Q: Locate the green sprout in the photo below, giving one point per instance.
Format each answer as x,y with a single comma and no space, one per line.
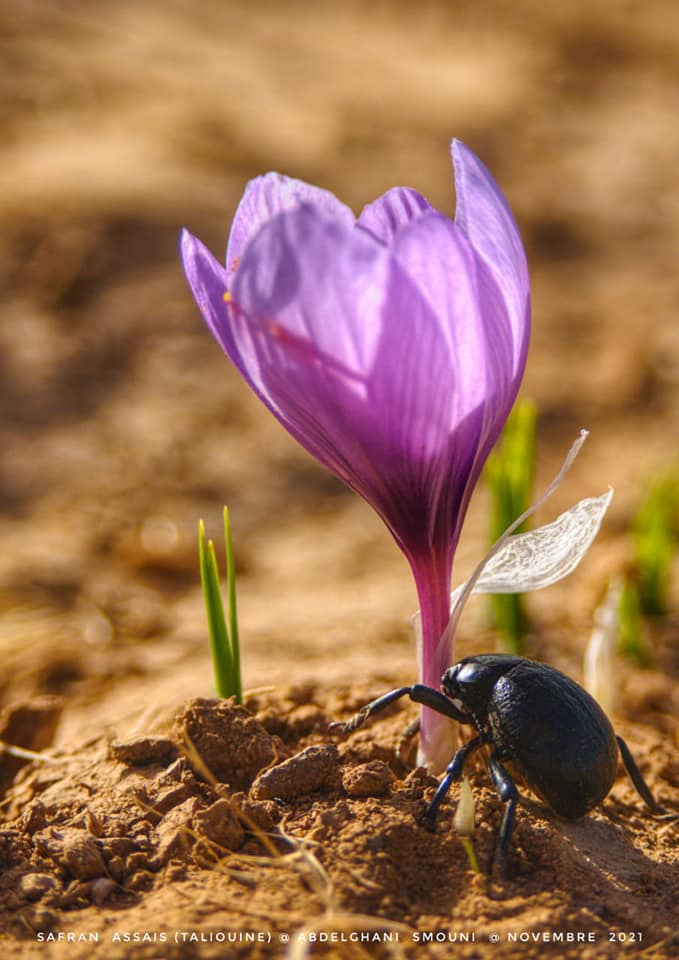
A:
655,542
223,631
509,473
630,624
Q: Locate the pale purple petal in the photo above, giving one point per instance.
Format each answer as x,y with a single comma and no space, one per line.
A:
209,282
269,195
393,210
439,259
475,323
325,325
484,217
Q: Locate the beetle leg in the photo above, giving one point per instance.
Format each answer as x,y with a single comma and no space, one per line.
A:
453,773
636,777
427,696
509,795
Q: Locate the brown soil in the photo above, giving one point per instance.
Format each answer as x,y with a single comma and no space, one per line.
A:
151,811
250,820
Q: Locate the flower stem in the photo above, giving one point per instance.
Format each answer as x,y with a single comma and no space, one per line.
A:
437,733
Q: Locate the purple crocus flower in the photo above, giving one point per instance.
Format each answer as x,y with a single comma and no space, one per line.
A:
390,346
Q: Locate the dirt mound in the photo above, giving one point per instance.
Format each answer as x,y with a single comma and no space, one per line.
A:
250,825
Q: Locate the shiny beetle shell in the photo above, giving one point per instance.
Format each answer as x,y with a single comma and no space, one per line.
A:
544,726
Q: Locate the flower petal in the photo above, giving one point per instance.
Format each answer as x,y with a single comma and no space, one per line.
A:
476,326
439,259
323,320
484,217
209,282
385,216
269,195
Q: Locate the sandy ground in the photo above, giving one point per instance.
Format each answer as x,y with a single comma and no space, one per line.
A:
122,424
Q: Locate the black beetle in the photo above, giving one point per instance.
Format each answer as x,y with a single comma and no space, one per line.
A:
539,724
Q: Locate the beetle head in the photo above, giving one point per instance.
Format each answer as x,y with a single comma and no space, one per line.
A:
469,683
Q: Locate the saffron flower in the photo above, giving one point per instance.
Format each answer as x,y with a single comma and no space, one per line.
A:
390,346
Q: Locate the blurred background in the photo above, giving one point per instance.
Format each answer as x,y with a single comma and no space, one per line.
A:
121,421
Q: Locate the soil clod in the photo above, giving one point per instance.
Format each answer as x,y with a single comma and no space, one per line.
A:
305,773
231,744
143,751
371,779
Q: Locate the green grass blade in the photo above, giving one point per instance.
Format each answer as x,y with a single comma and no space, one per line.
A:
655,541
222,658
510,618
509,473
232,606
631,636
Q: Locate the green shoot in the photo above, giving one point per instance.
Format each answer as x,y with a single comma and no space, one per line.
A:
631,635
471,854
509,473
655,541
223,631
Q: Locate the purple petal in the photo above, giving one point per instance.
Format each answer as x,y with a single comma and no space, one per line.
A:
439,259
393,210
209,282
484,217
324,320
479,346
269,195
